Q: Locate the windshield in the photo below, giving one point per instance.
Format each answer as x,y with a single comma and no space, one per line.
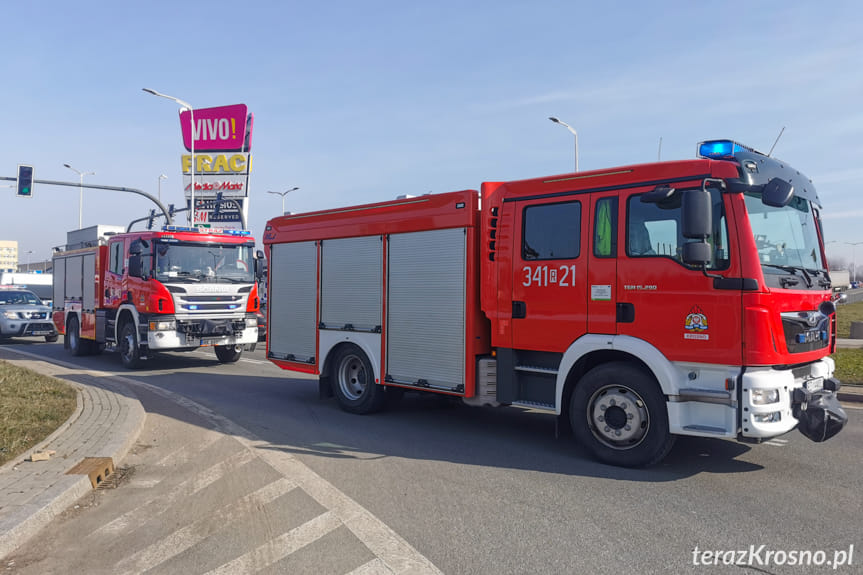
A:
184,262
19,298
785,237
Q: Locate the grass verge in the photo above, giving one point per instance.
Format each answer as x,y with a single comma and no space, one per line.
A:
845,314
849,362
32,406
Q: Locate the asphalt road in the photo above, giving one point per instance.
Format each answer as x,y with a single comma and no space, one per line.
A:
492,491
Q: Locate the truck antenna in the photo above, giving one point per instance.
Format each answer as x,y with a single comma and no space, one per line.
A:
659,153
776,142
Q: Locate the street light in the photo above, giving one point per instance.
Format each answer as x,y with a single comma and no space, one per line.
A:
283,194
187,106
161,177
572,130
28,260
80,191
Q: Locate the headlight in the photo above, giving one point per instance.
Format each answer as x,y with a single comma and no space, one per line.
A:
771,417
251,322
164,325
10,314
764,396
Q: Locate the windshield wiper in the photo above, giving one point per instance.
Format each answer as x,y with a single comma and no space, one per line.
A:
793,271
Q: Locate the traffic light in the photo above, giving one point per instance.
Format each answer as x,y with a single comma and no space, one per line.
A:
150,219
25,181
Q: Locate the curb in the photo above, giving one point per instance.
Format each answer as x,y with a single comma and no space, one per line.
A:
25,520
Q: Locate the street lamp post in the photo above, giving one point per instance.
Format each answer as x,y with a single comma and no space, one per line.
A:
161,177
572,131
80,192
283,194
28,260
192,150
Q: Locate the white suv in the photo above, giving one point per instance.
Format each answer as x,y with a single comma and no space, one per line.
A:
22,313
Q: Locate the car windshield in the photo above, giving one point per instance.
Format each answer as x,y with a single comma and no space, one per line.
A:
785,237
19,298
185,262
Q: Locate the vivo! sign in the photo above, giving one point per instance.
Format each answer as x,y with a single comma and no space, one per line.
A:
224,128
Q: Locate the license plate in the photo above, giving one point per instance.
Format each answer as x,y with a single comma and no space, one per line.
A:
40,332
816,384
210,342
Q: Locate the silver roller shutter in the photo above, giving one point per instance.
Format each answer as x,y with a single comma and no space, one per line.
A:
351,283
426,308
89,287
292,300
74,277
59,282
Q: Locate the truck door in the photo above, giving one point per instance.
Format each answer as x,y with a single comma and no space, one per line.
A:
550,279
673,306
602,264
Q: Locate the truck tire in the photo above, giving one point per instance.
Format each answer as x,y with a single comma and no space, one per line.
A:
353,381
130,352
618,412
72,340
229,353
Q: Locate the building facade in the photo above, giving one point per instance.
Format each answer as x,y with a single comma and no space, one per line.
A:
8,256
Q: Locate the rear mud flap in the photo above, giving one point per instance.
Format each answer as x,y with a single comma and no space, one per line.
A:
820,416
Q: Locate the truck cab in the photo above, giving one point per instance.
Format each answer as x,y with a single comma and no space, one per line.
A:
676,298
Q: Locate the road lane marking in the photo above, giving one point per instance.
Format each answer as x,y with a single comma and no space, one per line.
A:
373,567
161,503
190,535
280,547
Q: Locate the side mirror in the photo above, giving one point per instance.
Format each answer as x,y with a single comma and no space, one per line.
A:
259,267
697,214
777,193
136,266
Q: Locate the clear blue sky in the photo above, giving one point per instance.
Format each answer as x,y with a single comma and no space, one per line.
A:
357,102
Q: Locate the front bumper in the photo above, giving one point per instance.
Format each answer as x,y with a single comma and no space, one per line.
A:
805,397
20,328
187,334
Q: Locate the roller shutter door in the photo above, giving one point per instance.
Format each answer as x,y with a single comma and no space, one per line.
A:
426,308
351,283
292,301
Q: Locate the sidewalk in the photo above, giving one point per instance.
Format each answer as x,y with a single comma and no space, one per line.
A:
106,423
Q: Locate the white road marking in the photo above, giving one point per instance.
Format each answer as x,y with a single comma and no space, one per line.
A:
182,491
373,567
280,547
193,533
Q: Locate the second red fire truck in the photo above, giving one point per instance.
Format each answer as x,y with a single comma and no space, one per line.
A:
177,289
637,303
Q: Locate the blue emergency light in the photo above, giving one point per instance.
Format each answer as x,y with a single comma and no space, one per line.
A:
720,149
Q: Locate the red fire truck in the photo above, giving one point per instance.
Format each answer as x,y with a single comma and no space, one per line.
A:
637,303
142,292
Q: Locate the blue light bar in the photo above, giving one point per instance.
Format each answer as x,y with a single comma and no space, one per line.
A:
720,149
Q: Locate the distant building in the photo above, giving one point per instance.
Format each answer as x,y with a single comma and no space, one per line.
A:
8,256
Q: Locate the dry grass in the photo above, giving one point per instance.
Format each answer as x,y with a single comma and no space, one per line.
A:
32,406
845,314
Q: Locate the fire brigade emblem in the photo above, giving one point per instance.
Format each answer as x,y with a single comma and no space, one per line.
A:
696,324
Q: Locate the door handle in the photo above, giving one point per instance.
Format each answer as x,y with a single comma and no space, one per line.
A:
519,310
625,313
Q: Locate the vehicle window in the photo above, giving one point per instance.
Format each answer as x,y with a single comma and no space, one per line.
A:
116,257
655,230
551,231
605,228
19,298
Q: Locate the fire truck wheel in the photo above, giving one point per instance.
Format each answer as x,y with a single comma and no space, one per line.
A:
354,381
229,353
618,412
130,353
72,339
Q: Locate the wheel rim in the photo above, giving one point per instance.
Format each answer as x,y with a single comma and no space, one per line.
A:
127,344
618,417
352,377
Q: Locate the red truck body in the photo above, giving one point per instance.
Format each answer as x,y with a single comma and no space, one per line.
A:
638,303
142,292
